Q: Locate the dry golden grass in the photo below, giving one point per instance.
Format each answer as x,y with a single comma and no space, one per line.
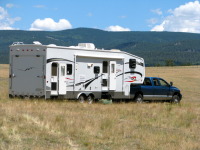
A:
41,124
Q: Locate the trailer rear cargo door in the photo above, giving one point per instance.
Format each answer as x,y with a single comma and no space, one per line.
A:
27,75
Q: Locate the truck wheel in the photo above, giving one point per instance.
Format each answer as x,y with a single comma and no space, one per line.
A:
139,98
81,98
175,99
90,99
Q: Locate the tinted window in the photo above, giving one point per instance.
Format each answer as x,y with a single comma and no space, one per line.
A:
105,82
96,69
147,81
132,63
156,82
53,86
54,69
105,67
69,69
163,83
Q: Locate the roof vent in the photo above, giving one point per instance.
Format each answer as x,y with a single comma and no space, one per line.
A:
37,43
52,45
115,50
87,45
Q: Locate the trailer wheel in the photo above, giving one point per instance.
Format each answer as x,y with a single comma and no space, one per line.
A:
90,99
139,98
175,99
81,98
11,96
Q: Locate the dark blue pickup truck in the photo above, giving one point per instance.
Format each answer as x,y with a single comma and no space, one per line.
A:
155,88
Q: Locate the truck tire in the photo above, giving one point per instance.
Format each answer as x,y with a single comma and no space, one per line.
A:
139,98
175,99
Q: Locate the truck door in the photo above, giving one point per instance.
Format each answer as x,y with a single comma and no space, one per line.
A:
165,89
161,89
112,75
62,87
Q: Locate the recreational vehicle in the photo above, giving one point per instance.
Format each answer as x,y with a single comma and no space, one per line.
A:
80,72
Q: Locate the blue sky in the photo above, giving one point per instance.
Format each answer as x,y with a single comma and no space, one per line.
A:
111,15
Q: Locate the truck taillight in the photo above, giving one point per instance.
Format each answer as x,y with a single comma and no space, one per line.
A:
44,77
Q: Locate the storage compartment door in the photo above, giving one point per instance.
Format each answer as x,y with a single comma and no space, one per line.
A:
112,76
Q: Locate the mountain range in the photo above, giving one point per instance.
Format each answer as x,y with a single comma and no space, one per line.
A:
157,48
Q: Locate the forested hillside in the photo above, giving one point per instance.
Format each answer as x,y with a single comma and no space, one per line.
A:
157,48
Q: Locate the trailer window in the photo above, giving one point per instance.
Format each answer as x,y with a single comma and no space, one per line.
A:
112,68
54,69
69,69
132,63
105,67
104,82
53,86
62,70
96,69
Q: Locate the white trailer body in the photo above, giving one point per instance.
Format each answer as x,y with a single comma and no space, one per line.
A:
70,72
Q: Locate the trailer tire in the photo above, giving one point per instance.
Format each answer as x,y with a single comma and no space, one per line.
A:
11,96
139,98
81,98
90,99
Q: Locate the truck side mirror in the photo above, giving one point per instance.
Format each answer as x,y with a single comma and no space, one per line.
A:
132,63
171,83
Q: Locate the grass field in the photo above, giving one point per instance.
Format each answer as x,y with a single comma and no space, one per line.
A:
40,124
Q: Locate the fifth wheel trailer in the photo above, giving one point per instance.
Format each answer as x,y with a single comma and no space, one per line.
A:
77,72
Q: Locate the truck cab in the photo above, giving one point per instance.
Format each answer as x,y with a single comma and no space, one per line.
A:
154,88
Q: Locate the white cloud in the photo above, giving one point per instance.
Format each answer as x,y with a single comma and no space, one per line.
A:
157,11
9,5
3,13
39,6
6,21
152,21
90,14
185,18
49,24
117,28
123,17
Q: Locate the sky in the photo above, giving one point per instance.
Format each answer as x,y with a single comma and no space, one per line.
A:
109,15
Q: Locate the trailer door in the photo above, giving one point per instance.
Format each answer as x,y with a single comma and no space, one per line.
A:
112,75
105,76
62,79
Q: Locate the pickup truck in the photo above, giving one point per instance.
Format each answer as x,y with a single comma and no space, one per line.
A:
154,88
